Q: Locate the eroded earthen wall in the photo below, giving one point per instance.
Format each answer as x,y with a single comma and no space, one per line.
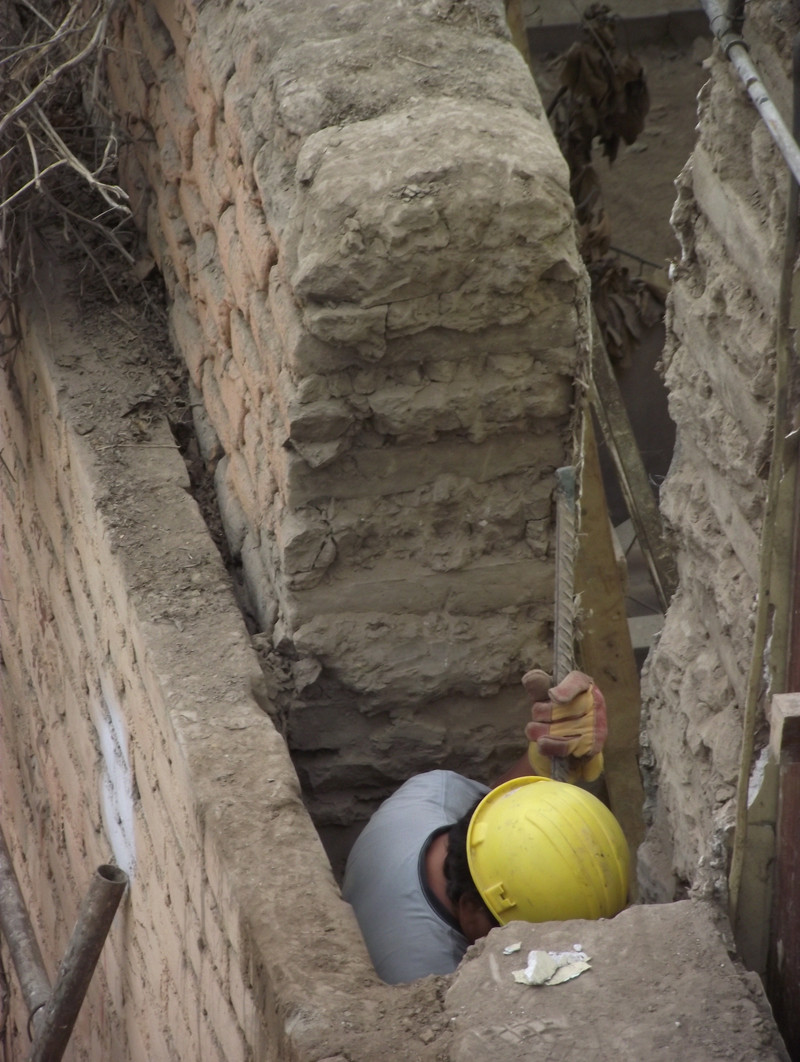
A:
366,234
719,364
133,731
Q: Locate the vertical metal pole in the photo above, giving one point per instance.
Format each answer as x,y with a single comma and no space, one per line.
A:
564,613
77,966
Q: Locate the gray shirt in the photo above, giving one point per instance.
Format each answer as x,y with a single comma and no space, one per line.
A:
408,933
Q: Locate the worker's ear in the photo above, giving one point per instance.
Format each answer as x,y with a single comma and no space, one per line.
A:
474,919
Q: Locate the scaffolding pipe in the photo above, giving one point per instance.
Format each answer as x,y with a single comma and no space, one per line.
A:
18,932
94,921
726,31
735,14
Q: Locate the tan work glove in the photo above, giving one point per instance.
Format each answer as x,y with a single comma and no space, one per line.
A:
568,722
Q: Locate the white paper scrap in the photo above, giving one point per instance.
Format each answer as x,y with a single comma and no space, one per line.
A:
566,973
512,948
552,967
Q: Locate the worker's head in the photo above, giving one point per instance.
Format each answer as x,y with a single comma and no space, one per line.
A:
472,914
540,850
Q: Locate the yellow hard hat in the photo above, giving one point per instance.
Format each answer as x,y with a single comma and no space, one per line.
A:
541,851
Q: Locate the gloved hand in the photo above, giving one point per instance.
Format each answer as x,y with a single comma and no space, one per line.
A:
568,722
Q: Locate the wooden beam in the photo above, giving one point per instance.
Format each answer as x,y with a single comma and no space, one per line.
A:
604,645
617,432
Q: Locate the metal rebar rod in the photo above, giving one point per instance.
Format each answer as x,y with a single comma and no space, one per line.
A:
94,921
18,932
564,612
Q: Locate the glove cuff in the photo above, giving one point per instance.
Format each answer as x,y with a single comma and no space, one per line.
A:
579,769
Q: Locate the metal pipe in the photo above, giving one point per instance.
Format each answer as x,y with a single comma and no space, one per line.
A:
18,932
94,921
735,14
736,50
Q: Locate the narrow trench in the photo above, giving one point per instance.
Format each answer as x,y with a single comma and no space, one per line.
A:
639,193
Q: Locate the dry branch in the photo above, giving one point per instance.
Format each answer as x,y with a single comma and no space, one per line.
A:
56,171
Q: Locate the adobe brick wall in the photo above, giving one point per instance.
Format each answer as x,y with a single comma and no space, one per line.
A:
133,731
719,362
365,231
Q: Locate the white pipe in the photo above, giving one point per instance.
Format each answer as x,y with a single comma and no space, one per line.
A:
736,50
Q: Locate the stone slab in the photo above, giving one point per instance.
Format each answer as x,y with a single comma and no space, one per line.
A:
661,987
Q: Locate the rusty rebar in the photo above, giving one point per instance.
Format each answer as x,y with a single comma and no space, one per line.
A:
76,969
22,945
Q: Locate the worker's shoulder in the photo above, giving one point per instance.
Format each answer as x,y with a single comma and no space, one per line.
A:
444,789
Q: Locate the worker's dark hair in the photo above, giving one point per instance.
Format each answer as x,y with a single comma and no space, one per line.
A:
456,865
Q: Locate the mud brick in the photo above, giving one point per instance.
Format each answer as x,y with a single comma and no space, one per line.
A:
180,119
189,336
172,13
66,619
205,105
210,286
235,265
156,42
178,242
243,132
247,357
234,396
257,243
243,488
299,348
127,87
266,338
169,159
214,991
217,413
194,209
209,174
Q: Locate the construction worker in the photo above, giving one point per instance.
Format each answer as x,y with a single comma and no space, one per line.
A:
445,858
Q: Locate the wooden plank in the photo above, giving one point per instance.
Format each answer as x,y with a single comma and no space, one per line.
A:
618,434
604,645
783,982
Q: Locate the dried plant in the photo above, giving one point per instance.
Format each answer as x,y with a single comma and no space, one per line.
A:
603,97
56,171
